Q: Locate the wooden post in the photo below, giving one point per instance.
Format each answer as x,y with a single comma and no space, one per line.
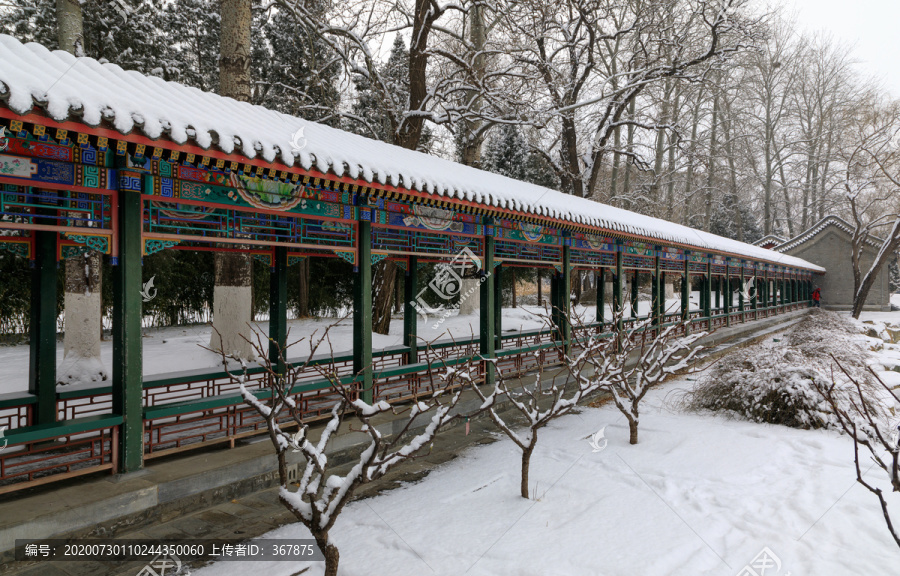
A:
707,294
660,283
726,294
487,320
601,295
618,297
498,307
566,296
127,377
718,286
410,316
278,308
42,332
634,294
362,313
741,291
686,289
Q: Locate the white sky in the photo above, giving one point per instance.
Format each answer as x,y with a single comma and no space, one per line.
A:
870,26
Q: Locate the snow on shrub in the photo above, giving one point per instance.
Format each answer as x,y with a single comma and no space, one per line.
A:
775,382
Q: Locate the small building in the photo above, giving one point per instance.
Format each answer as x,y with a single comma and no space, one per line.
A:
769,242
828,244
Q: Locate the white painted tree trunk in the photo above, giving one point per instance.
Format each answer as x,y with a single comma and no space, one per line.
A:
470,296
83,322
231,321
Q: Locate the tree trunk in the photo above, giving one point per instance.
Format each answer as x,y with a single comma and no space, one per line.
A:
332,555
689,176
710,176
526,462
732,173
626,181
672,143
303,292
70,27
614,177
234,50
83,321
633,430
513,274
572,183
232,304
383,298
473,137
398,293
83,306
233,295
660,146
539,295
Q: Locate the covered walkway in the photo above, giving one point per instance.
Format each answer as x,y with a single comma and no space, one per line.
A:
127,165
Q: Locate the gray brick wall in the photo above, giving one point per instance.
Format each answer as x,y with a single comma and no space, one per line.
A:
831,250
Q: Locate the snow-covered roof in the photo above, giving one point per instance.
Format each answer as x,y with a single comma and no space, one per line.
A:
67,88
815,229
771,240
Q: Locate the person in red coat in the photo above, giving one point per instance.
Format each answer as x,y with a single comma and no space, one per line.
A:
817,296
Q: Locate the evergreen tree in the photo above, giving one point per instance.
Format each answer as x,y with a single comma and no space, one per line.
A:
31,21
194,29
293,70
506,152
376,108
130,33
894,276
723,221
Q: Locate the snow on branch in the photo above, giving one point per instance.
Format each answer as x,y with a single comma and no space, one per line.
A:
324,488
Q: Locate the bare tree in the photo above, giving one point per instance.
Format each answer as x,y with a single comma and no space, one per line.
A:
859,416
871,184
539,403
322,491
629,365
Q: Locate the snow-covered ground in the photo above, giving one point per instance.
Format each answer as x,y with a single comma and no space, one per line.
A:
181,348
700,494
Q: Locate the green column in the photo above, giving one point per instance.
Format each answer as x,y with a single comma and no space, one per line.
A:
601,296
42,332
278,308
774,283
634,294
362,312
741,290
757,293
659,283
498,307
726,293
565,298
554,304
410,316
686,289
654,296
127,377
707,293
487,318
618,296
718,281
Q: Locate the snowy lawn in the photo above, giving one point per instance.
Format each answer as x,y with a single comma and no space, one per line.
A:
181,348
700,494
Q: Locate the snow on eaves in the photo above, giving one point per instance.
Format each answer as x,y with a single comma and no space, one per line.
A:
83,90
